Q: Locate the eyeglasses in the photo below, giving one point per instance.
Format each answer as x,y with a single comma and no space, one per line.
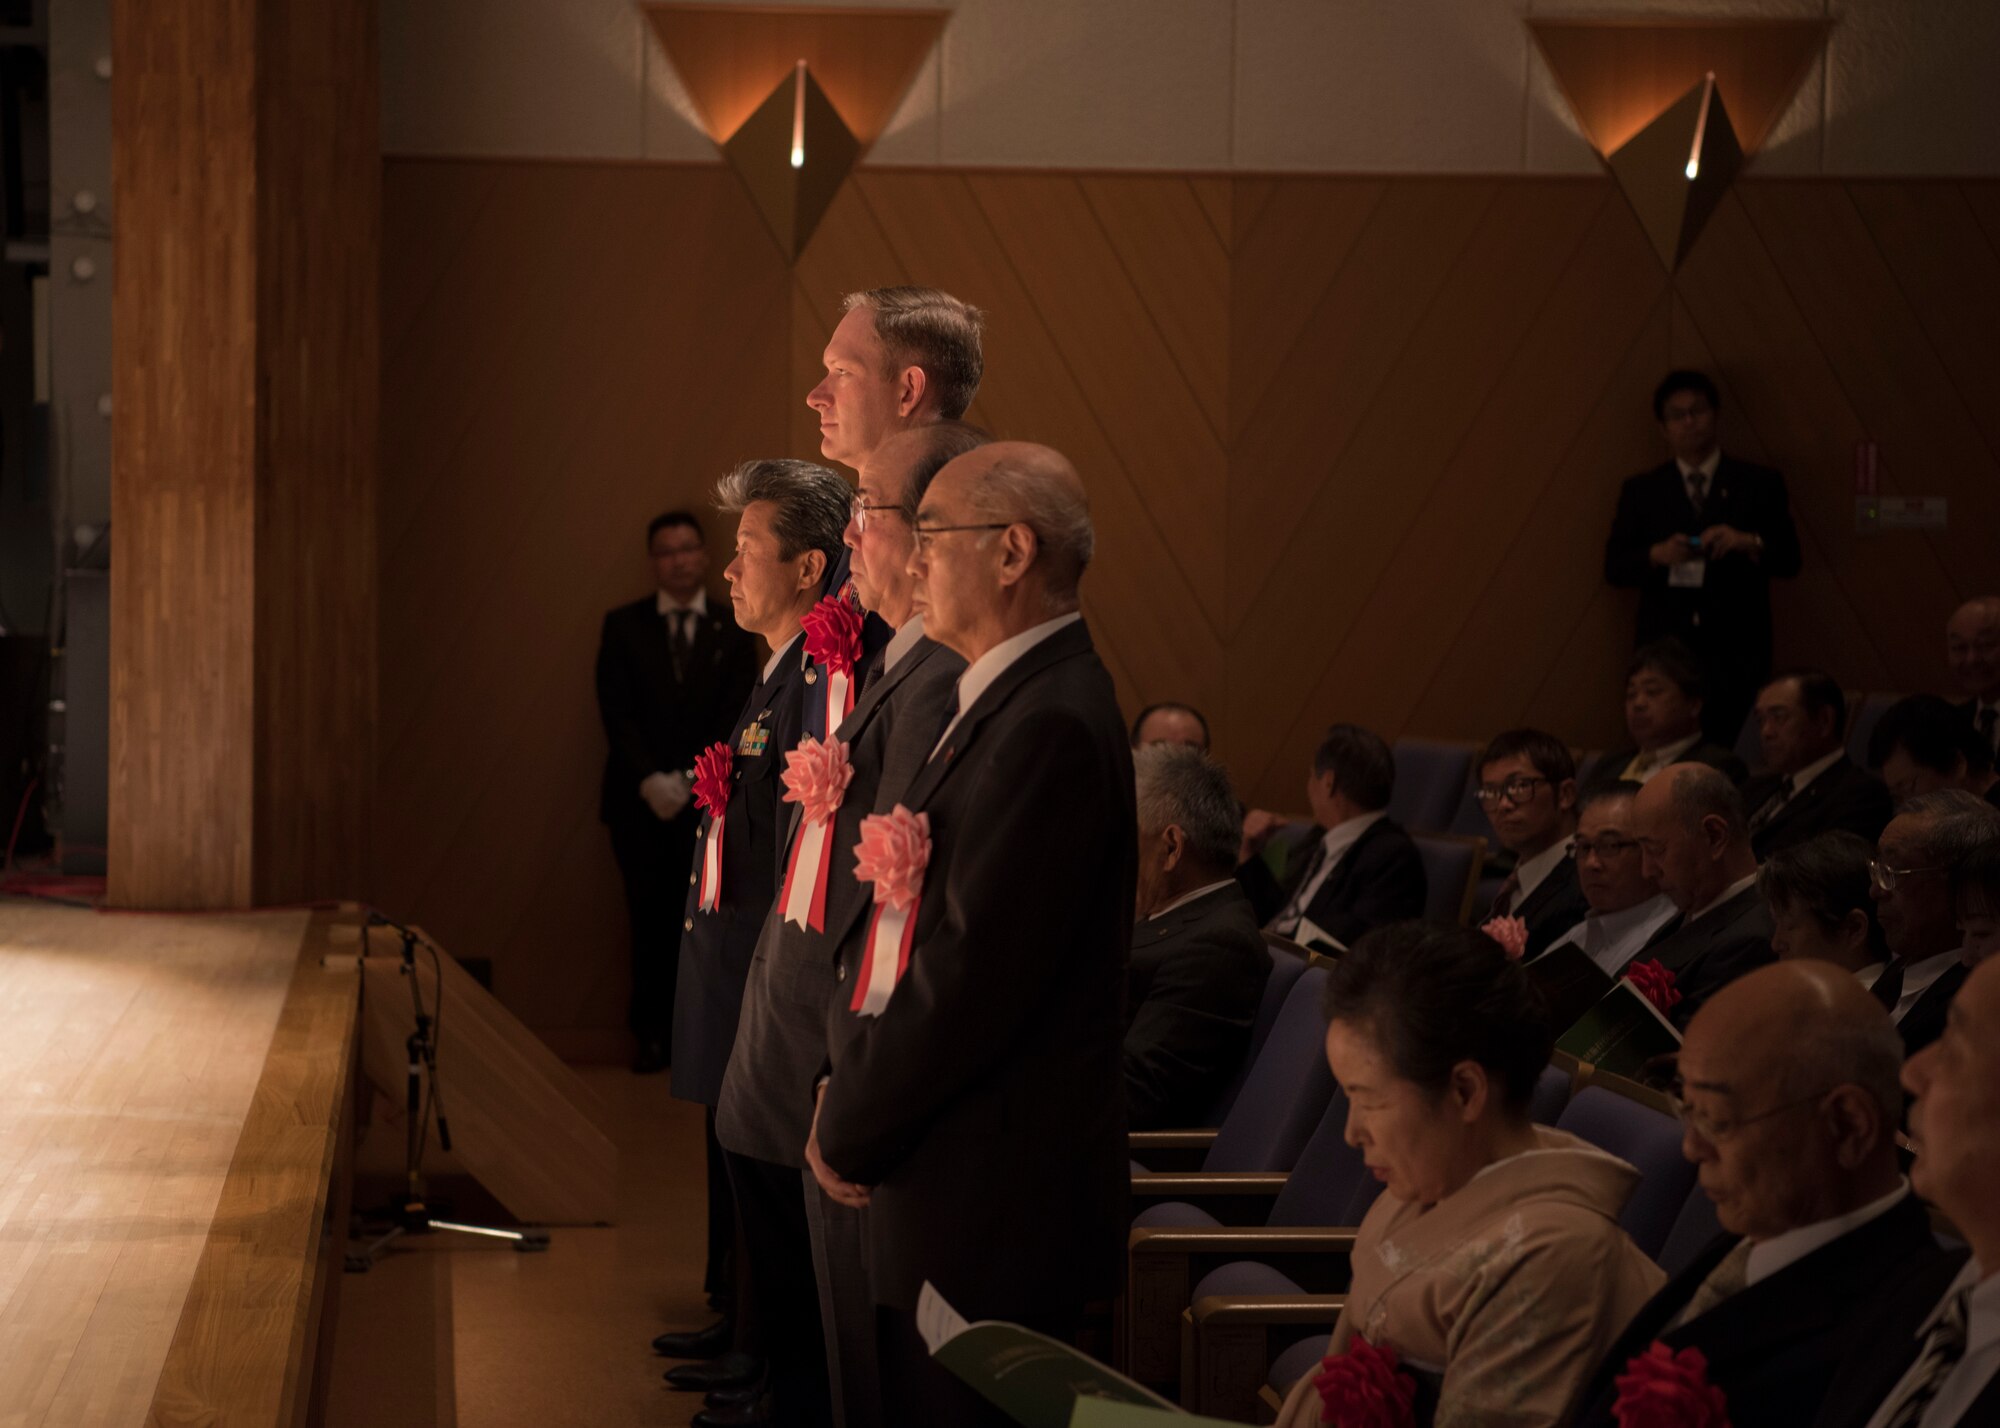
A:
861,508
924,533
1716,1131
1884,878
1603,847
1518,789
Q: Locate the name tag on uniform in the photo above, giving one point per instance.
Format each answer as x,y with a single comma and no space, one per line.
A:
1687,574
755,738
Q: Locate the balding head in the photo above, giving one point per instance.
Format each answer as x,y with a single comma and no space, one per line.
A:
1693,834
1790,1074
1004,538
1972,647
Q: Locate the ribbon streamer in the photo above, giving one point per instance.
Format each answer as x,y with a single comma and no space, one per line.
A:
804,902
890,932
711,866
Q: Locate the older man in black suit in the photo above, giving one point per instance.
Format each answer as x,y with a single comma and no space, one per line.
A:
1788,1080
1664,694
1701,538
1926,840
975,1082
1694,841
1810,785
1932,1358
1357,869
671,674
767,1094
1198,962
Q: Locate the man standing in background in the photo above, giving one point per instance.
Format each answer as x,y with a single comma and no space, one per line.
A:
671,674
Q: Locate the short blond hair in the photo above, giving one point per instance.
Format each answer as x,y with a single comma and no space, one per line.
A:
930,329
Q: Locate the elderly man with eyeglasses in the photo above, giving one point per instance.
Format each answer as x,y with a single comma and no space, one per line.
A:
1627,908
1789,1102
1911,876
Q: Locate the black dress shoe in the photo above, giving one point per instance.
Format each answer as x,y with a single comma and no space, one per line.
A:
709,1343
736,1397
744,1416
650,1057
730,1371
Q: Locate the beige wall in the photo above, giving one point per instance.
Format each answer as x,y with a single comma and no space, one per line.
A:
1339,86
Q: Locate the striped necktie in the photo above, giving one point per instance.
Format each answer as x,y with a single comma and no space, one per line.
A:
1943,1347
1726,1280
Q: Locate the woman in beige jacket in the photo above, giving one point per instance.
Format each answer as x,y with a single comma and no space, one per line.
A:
1492,1263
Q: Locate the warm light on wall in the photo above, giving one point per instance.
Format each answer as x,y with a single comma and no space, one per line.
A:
1700,127
799,116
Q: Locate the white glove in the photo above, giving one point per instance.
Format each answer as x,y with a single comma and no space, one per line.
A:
666,794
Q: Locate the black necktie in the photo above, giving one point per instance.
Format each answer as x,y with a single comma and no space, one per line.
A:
679,641
1772,806
1503,900
1888,988
1697,484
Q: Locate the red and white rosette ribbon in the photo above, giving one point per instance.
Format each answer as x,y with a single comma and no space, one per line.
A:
894,850
817,773
711,792
833,641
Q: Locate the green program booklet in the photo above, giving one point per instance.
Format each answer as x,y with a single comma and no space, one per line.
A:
1104,1413
1035,1380
1621,1034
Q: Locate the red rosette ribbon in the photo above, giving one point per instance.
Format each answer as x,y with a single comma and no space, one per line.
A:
1510,932
711,793
817,773
894,851
1655,984
833,642
1664,1389
1362,1388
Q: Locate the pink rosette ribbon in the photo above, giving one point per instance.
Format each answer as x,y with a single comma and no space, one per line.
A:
1655,984
833,641
894,851
817,773
1664,1389
711,793
1510,932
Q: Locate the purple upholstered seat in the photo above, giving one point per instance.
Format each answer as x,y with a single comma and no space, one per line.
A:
1649,1141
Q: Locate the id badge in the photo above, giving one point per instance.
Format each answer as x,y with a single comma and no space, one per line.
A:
1687,574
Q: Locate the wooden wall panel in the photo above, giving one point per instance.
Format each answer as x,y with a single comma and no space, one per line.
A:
1353,444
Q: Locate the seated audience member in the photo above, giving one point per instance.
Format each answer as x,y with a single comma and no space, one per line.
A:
1493,1255
1663,703
1198,963
1361,870
1170,724
1694,840
1923,744
1627,907
1972,646
1527,788
1817,893
1810,786
1922,847
1975,896
1932,1356
1790,1103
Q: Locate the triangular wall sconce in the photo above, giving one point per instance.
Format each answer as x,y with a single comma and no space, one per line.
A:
1676,169
785,83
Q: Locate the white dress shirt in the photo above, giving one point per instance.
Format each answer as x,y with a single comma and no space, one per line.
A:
1869,975
1644,765
1918,976
771,664
902,642
1968,1379
1709,465
1767,1257
667,605
1724,896
1187,897
1613,939
980,674
1332,848
1530,872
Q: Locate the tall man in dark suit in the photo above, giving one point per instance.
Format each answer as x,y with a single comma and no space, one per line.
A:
1198,962
1933,1359
1701,538
671,674
1527,787
1929,836
821,1348
1810,785
975,1085
1694,841
790,516
1972,645
1358,870
1790,1107
898,358
1664,694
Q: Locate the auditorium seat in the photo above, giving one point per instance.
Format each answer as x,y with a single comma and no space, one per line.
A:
1694,1227
1551,1096
1451,871
1865,711
1749,747
1431,777
1647,1139
1288,964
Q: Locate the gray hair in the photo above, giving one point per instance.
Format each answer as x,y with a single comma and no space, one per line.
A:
1956,823
943,443
1190,790
927,328
1700,792
813,503
1047,505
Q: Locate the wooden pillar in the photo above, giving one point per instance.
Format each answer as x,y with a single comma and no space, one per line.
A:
246,179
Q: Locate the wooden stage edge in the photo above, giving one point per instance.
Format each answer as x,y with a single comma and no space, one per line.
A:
254,1341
